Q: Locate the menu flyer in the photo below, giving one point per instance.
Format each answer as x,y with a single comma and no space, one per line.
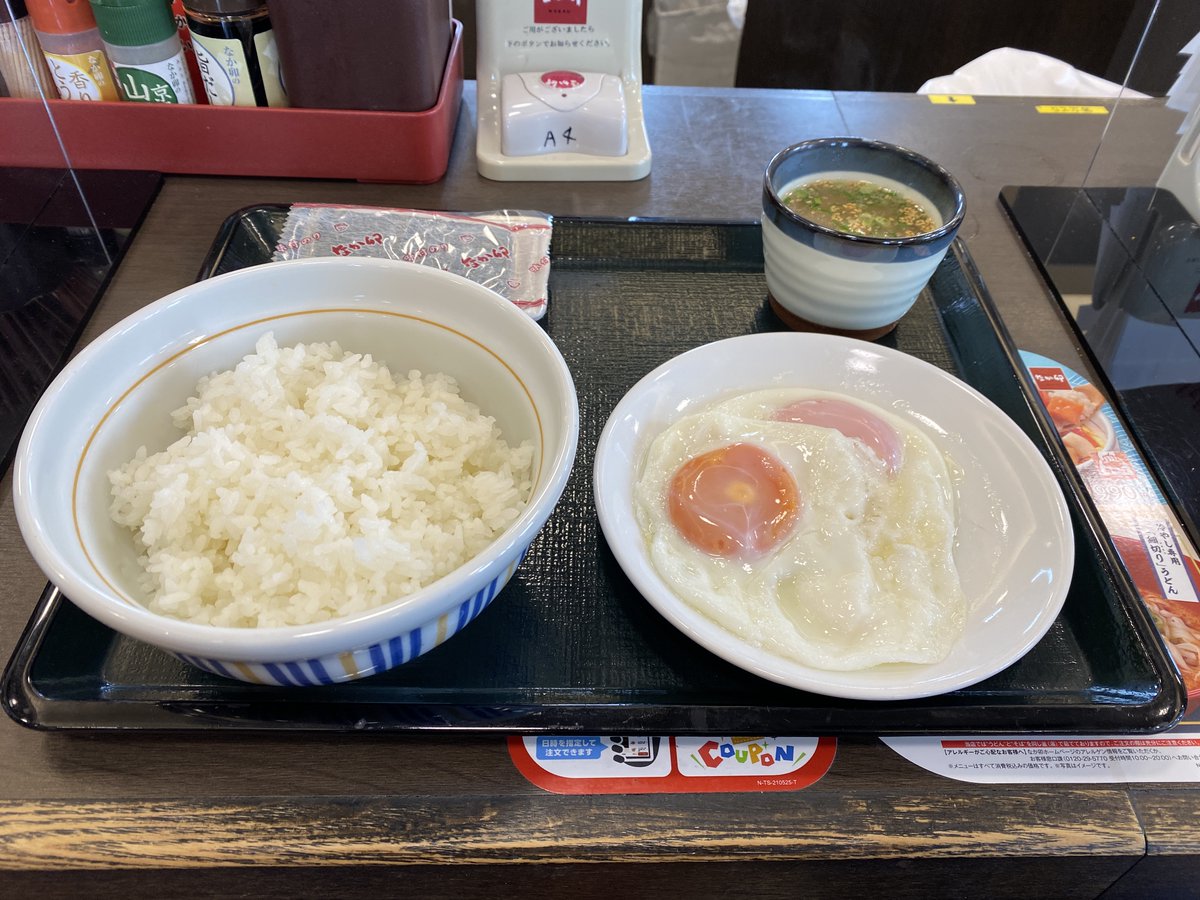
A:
1165,568
1170,757
1160,558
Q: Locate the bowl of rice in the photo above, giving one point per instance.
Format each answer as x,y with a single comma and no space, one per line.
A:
299,473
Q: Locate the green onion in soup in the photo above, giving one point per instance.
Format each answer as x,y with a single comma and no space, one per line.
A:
859,207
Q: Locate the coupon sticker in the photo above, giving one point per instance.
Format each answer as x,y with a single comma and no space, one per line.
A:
638,764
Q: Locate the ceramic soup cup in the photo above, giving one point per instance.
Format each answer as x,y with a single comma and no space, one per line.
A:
823,279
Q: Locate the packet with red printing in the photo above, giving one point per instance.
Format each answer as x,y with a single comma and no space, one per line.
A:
1155,548
505,250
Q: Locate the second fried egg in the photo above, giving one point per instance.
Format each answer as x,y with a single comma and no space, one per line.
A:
816,526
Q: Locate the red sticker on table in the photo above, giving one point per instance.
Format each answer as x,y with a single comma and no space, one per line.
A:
573,764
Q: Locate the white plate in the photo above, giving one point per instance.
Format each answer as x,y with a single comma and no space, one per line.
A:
1014,548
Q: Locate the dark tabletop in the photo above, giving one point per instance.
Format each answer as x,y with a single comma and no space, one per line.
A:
449,814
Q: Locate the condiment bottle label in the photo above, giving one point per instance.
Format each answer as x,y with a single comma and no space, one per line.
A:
224,71
82,76
268,67
157,82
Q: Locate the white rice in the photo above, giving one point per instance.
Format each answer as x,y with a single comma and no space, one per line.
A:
312,484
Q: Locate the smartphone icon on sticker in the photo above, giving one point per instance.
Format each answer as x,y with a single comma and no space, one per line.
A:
635,750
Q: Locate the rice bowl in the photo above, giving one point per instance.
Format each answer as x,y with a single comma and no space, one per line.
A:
119,392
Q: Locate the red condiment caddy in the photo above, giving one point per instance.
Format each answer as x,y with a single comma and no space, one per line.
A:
363,145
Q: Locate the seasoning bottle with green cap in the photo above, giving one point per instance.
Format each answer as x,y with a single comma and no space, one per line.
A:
74,52
143,46
235,50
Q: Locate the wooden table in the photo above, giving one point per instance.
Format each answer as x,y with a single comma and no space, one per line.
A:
115,814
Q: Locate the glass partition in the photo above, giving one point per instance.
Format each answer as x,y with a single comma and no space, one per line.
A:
1121,252
61,231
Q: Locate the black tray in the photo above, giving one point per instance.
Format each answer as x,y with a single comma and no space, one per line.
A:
570,645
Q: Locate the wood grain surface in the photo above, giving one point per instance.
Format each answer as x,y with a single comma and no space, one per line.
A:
1171,866
472,829
446,815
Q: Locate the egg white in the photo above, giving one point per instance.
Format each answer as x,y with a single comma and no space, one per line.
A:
867,576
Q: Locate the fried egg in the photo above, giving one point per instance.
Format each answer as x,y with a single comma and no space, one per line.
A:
815,526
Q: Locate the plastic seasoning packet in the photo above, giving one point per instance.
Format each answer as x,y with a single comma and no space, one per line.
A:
504,250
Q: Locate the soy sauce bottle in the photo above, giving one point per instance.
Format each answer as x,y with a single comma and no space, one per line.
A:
235,50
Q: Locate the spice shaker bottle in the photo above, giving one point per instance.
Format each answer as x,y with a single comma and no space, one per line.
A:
362,54
189,52
235,49
143,46
24,77
71,43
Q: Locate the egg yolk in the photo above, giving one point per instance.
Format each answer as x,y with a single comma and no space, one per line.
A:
737,500
851,420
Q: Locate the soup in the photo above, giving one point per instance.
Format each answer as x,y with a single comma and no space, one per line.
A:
860,207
